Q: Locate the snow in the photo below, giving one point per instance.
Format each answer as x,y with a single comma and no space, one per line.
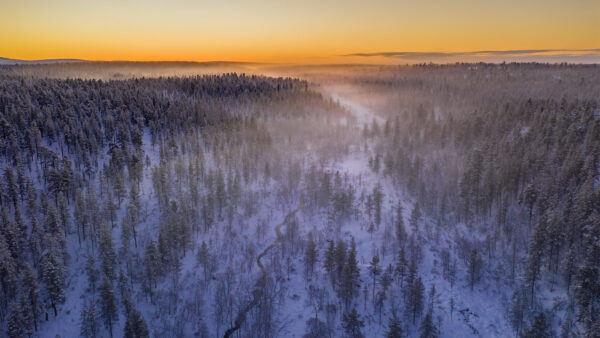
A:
479,313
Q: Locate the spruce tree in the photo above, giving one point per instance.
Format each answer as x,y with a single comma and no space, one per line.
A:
401,266
92,272
394,328
415,217
88,325
352,324
108,255
310,256
400,231
474,267
536,250
428,328
204,259
53,278
540,328
135,326
14,321
375,270
415,298
108,304
30,293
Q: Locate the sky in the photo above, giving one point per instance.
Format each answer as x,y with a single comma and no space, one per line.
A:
308,31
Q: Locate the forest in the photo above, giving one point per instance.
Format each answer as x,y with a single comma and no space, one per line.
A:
247,200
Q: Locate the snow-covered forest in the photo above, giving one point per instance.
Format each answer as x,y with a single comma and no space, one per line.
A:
228,200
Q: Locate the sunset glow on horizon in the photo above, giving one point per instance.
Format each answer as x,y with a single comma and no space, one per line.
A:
300,32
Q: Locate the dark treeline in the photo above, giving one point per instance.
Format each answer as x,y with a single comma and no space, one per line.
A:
85,115
75,154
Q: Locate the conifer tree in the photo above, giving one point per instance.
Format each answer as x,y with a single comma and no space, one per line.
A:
135,326
415,298
14,321
349,281
375,270
108,255
88,325
401,266
415,217
400,231
204,258
474,267
540,328
30,293
108,304
53,278
428,328
310,257
536,250
339,257
394,328
352,324
152,266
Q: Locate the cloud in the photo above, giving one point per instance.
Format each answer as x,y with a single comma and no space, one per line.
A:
583,54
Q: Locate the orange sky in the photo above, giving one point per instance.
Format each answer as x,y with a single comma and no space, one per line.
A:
291,31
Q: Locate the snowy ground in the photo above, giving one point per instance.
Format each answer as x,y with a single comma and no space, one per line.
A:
479,313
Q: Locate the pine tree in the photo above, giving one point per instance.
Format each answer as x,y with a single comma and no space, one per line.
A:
433,298
52,222
536,250
349,282
310,256
11,187
14,321
110,209
30,293
377,202
135,326
387,278
415,216
587,289
79,215
394,328
108,255
53,278
352,324
415,298
108,303
517,310
92,272
401,266
64,214
540,328
340,258
400,231
375,270
204,258
27,317
530,196
329,263
152,265
428,328
474,267
88,327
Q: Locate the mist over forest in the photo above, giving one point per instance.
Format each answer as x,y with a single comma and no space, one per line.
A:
183,199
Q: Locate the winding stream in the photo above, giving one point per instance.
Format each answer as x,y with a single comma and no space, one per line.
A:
260,283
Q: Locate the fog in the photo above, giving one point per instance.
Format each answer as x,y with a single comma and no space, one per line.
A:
255,200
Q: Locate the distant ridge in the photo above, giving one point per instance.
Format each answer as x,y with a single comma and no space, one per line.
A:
7,61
